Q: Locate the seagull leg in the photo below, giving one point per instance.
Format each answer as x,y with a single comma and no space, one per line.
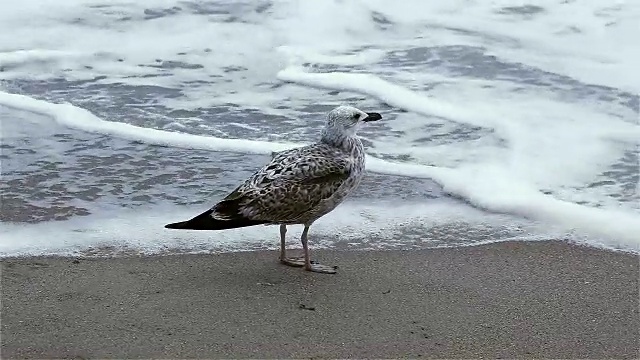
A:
297,262
308,264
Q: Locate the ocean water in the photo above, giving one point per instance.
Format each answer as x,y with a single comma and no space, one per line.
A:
502,119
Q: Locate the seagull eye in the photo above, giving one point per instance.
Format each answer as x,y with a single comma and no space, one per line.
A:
356,116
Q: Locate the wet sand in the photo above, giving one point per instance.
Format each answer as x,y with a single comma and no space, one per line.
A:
509,300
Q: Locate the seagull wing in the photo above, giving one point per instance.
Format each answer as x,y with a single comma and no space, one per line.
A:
293,184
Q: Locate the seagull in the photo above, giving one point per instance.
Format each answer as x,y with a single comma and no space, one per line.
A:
297,187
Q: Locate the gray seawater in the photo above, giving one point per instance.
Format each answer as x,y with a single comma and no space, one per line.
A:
53,173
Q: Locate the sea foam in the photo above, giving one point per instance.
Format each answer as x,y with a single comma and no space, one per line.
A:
489,187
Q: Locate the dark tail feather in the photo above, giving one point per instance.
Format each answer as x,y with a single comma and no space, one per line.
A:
205,221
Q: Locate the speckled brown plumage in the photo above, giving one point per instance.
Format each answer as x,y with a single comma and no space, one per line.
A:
299,185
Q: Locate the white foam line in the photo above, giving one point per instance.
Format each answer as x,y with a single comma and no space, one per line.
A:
388,92
301,55
75,117
487,116
496,190
490,188
22,56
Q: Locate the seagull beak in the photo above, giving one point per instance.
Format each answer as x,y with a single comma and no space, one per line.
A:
372,117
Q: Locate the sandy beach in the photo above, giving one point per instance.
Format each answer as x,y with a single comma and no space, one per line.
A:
510,300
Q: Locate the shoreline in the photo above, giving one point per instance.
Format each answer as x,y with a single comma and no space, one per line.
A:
111,252
506,299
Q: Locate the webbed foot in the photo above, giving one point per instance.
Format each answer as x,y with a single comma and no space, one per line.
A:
295,262
324,269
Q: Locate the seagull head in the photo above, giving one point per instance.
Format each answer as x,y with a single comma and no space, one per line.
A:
345,119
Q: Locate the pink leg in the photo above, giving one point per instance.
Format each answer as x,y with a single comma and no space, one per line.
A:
307,259
296,262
